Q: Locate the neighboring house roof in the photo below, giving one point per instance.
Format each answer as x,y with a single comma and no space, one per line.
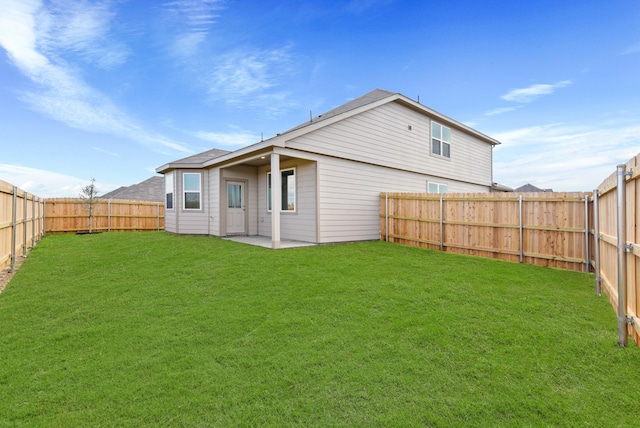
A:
497,187
358,105
151,189
531,188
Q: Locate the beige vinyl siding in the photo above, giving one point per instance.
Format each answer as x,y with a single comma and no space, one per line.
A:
170,217
215,218
170,221
382,137
349,195
195,222
248,175
300,225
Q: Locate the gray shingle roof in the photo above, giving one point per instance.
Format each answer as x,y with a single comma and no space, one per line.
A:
202,157
368,98
151,189
531,188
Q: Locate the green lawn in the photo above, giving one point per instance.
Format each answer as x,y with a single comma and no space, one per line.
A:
150,329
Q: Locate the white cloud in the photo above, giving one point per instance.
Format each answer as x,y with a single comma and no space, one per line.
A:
194,19
563,157
106,152
633,49
47,184
242,138
250,78
63,95
528,94
80,28
501,110
243,73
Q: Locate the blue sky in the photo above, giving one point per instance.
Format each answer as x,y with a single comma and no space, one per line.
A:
113,89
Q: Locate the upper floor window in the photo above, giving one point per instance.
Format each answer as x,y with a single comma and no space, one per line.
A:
440,140
436,187
168,190
191,188
288,186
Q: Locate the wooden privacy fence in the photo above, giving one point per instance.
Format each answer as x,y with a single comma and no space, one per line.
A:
546,229
591,232
617,249
64,215
21,223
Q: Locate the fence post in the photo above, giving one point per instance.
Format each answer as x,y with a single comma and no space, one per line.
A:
109,215
158,208
622,256
586,234
520,228
441,223
13,228
33,221
44,218
596,241
24,224
386,215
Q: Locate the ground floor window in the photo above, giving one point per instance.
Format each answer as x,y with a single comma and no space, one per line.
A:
436,187
192,193
288,186
168,190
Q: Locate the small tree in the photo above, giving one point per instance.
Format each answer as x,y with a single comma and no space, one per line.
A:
90,196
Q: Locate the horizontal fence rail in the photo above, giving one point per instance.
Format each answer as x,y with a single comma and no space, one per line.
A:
64,215
546,229
21,223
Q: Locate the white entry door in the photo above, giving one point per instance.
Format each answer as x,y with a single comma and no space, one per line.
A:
235,207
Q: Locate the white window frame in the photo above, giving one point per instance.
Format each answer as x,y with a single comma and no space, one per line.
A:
185,191
441,141
169,189
295,190
439,187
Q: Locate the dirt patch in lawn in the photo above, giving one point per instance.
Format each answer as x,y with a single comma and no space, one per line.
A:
7,273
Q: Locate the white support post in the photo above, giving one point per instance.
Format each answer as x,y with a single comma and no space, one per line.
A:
276,200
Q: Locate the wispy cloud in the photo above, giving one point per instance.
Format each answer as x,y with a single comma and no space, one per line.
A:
530,93
241,73
252,79
501,110
63,94
106,152
236,138
47,184
81,29
192,20
563,157
633,49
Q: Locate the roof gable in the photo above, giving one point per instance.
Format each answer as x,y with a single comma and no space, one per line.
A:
368,101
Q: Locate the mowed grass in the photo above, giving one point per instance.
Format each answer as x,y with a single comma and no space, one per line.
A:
150,329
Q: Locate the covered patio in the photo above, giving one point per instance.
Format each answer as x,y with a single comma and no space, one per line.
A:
266,242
